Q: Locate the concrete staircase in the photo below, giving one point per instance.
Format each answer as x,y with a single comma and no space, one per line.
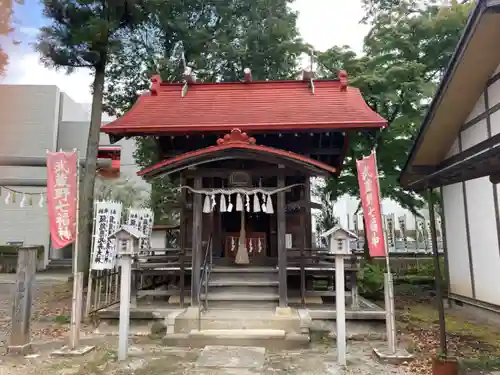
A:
263,328
60,265
241,311
243,288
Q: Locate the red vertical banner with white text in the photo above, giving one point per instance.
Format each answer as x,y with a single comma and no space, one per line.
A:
61,197
370,200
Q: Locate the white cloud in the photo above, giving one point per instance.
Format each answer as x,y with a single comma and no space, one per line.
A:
28,70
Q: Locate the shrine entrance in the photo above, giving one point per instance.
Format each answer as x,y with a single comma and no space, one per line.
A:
258,233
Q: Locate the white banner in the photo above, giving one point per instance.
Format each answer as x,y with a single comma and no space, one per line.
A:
142,219
429,235
390,232
107,220
402,231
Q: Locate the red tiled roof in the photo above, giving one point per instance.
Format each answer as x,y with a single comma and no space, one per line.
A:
250,106
234,141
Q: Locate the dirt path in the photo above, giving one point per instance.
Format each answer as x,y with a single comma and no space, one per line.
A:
51,306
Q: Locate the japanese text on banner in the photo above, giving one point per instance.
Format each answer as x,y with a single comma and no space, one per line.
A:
61,197
370,200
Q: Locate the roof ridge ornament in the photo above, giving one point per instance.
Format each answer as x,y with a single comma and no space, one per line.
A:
188,77
308,75
155,84
236,136
343,80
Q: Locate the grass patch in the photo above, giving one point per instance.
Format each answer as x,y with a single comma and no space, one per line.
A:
479,344
62,319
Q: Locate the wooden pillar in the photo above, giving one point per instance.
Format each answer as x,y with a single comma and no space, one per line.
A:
182,241
303,212
197,244
308,216
437,276
281,232
20,340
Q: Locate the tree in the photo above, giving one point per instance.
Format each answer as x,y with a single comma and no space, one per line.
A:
405,53
83,34
6,28
124,191
218,40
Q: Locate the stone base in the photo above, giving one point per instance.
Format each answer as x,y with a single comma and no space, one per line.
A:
65,351
401,356
285,311
19,349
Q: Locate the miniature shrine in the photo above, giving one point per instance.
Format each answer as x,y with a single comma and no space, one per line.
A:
243,154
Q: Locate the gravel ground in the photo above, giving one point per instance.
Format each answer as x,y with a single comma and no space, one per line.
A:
147,358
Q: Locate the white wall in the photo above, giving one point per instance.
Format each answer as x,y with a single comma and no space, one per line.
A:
29,117
158,239
473,221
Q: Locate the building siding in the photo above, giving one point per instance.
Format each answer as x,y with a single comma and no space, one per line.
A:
29,117
481,210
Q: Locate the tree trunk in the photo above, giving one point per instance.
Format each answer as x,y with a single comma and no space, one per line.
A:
87,180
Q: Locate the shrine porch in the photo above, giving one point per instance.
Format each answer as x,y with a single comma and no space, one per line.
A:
318,309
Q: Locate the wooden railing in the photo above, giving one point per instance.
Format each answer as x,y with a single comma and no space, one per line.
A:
313,265
165,263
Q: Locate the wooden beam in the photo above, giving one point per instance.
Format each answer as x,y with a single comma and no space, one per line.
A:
197,244
225,172
281,233
328,151
495,178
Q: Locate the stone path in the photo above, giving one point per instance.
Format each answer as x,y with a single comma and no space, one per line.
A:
147,358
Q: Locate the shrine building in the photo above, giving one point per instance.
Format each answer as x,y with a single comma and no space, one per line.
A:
243,154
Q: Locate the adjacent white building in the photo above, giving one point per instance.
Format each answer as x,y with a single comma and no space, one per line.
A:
33,119
458,151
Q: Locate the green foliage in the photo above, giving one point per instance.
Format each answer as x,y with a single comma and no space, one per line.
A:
405,54
371,281
82,34
124,191
6,29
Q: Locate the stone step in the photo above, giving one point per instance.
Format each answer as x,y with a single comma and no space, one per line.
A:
233,319
235,282
243,293
242,305
268,338
240,270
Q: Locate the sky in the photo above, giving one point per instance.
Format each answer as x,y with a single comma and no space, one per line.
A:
322,23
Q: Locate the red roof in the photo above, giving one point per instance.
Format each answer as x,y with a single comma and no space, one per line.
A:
236,145
250,106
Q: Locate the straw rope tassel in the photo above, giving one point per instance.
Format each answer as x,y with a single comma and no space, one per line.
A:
256,203
269,205
206,205
239,203
223,207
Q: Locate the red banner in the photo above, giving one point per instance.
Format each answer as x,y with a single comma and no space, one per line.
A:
61,197
370,200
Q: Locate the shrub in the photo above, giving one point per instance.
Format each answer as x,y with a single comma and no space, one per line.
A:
371,281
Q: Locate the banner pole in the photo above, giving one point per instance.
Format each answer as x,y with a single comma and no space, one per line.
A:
77,276
388,287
